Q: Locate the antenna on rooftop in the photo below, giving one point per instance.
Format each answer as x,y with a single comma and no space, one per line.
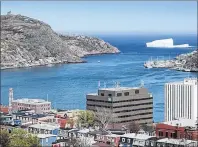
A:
9,12
98,84
104,84
117,84
142,83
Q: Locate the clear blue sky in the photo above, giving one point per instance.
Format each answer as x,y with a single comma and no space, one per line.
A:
111,16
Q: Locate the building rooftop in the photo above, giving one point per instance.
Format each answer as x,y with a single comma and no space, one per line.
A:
187,81
177,141
44,126
137,136
182,122
31,101
119,88
84,131
45,135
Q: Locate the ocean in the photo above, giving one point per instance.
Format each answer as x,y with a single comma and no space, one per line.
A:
66,85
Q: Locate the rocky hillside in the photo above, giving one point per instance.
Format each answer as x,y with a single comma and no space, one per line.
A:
27,42
189,61
184,62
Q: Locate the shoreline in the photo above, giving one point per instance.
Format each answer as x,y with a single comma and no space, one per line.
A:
59,63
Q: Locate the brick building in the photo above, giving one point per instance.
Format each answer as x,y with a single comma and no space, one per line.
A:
176,132
40,106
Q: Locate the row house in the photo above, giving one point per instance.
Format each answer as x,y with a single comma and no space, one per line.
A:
139,139
167,142
176,132
43,129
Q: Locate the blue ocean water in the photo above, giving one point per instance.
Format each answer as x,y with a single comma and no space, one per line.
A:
67,85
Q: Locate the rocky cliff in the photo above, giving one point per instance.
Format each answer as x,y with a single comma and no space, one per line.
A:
27,42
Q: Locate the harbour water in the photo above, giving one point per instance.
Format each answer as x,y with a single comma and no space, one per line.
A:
67,85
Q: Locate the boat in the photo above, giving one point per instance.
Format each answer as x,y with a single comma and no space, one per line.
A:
149,64
187,70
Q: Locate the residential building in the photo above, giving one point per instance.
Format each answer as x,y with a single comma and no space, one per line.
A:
137,140
181,100
167,142
4,109
46,140
176,132
27,118
5,119
125,103
43,129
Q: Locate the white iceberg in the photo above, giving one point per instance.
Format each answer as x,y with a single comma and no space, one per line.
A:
165,43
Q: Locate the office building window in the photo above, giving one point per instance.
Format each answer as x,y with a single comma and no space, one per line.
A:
102,94
128,140
136,91
119,94
110,95
126,94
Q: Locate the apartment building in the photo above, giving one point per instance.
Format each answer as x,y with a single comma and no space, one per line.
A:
181,100
127,104
40,106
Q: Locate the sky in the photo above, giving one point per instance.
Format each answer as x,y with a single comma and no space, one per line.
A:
110,16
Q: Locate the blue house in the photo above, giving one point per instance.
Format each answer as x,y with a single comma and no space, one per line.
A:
16,122
46,140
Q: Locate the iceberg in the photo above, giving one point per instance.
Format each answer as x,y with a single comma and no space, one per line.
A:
165,43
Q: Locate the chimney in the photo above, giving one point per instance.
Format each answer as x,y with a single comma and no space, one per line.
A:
10,99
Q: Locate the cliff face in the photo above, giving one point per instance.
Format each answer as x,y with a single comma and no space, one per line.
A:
29,42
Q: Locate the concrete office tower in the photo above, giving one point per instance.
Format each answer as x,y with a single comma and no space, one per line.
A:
181,100
126,103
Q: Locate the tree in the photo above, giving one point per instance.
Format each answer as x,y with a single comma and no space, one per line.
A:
4,138
147,128
85,141
133,127
103,116
20,137
86,118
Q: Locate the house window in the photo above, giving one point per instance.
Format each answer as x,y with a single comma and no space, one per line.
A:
126,94
123,139
167,134
160,133
136,91
119,94
102,94
128,140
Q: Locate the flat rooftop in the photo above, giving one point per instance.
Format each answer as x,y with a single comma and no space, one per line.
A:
44,126
119,88
31,101
187,81
45,135
177,141
137,136
182,122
